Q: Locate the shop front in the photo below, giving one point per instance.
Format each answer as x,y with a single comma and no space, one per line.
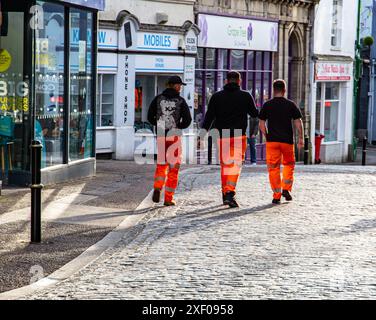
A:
332,109
232,43
135,62
47,88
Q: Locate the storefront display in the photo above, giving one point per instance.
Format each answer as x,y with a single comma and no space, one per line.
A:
36,100
332,91
246,46
141,58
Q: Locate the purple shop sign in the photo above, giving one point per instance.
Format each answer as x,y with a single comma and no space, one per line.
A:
94,4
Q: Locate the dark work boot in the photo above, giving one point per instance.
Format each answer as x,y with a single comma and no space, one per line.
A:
229,199
276,201
287,195
157,195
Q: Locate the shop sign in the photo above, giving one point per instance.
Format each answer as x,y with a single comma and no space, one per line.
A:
158,42
328,71
237,33
94,4
107,39
160,64
191,42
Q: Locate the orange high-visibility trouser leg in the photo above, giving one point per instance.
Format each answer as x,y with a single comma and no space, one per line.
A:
169,160
273,161
232,155
288,161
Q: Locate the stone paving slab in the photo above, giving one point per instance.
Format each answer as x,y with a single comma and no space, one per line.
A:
320,246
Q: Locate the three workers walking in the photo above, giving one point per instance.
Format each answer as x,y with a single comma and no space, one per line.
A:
227,121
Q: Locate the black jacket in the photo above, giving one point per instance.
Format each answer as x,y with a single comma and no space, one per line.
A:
169,111
229,109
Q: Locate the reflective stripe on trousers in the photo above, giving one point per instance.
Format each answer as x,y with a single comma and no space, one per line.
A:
277,153
167,174
232,154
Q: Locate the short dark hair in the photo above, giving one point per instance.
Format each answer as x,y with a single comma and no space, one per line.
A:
233,76
279,85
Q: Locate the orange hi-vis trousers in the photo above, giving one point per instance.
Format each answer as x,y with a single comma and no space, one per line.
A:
276,153
168,164
231,154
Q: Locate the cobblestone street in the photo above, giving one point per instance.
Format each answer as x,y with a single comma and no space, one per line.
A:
320,246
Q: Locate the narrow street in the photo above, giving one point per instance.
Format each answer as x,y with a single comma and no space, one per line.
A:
320,246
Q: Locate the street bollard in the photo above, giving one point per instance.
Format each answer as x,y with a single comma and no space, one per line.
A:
36,192
306,151
364,153
210,150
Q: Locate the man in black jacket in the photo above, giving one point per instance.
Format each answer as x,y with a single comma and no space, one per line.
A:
228,112
170,113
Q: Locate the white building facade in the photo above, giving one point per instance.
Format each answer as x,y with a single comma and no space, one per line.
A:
141,43
332,78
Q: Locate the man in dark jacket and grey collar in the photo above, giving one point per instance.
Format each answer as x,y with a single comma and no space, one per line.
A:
170,113
228,112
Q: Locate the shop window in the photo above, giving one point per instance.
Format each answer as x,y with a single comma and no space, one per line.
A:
15,120
210,58
251,60
49,84
327,110
198,106
81,85
237,60
105,100
145,92
200,59
223,59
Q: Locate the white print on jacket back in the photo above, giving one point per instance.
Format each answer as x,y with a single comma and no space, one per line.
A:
168,113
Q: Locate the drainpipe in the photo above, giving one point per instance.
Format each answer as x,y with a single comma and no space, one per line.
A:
357,75
371,99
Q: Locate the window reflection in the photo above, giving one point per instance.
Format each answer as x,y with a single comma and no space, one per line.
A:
81,77
49,84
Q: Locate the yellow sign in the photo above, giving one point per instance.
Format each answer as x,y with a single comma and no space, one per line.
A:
5,60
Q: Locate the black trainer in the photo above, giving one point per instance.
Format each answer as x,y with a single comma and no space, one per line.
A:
157,195
287,195
230,200
276,201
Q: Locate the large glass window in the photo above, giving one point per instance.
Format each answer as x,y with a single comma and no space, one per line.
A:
49,84
327,110
105,100
237,60
15,103
81,78
213,67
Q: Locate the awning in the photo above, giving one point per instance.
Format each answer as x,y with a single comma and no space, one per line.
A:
95,4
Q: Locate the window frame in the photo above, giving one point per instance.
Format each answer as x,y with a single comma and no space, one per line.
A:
99,105
336,33
323,101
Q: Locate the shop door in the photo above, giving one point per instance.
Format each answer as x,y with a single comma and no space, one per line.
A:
15,117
